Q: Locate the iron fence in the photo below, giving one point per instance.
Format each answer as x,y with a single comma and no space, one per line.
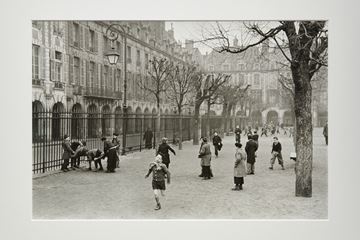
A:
50,127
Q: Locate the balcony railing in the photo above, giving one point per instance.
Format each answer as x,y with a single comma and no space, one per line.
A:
102,93
59,85
38,82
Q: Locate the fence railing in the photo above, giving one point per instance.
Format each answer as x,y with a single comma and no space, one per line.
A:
50,127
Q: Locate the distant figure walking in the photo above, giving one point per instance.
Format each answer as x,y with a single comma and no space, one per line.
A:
217,143
67,153
148,136
159,171
163,150
276,153
239,167
250,149
237,134
325,133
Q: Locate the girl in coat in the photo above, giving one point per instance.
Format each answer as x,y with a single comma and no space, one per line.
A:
239,168
205,155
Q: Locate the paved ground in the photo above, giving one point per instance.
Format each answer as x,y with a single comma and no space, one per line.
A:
82,194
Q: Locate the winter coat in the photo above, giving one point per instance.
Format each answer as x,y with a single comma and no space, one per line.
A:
250,148
205,154
240,163
67,150
163,150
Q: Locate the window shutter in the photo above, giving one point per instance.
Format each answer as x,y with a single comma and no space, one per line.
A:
71,69
71,33
102,84
42,62
96,42
52,65
82,72
65,69
96,77
87,80
87,38
81,30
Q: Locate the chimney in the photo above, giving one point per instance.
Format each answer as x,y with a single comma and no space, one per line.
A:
189,44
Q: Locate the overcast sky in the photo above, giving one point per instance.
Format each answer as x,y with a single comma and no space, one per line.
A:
196,30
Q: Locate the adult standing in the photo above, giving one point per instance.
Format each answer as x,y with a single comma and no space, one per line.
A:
205,155
116,142
325,133
148,136
163,150
67,153
239,167
217,143
110,153
237,134
251,148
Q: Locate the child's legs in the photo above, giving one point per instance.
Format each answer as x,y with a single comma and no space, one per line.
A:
280,159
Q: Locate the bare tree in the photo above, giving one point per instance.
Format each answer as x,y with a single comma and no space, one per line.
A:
180,87
205,85
304,46
156,84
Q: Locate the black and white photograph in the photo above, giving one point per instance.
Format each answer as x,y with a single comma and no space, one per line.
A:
180,119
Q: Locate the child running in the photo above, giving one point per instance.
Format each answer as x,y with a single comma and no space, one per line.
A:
159,171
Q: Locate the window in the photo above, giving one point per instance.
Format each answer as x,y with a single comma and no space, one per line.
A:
92,41
138,58
105,41
57,28
241,79
241,66
36,24
226,67
76,70
146,61
118,48
128,54
256,80
58,71
211,68
118,79
76,34
106,76
35,61
92,74
58,55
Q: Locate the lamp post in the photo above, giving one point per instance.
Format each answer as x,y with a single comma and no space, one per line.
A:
113,56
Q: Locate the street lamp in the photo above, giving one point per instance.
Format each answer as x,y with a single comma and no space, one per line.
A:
113,56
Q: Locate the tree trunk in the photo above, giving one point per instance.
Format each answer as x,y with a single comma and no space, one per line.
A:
197,124
208,134
180,130
223,120
304,141
158,126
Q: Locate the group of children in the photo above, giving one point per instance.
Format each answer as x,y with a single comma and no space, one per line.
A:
74,150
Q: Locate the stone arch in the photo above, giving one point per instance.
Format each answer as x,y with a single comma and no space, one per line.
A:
38,121
256,118
138,120
130,121
288,118
118,119
58,124
77,121
106,120
272,116
93,121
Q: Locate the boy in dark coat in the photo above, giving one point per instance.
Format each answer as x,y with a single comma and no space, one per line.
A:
110,153
237,134
67,153
276,153
217,143
250,149
75,161
163,150
116,142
